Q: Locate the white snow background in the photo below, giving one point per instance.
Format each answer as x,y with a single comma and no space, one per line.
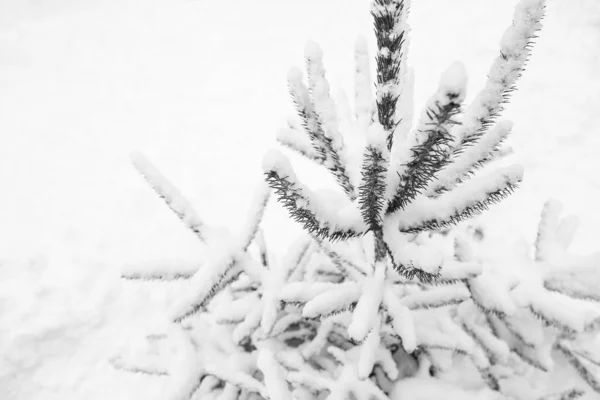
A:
199,86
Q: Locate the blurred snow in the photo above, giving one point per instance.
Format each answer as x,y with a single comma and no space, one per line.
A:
200,87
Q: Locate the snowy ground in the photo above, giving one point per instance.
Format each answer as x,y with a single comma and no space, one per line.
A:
199,87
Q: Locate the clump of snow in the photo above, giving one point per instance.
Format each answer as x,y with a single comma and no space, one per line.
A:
324,106
275,160
312,50
453,83
335,208
300,92
377,136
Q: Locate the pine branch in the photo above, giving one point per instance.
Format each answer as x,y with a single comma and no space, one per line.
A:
156,276
262,248
458,272
470,198
160,270
390,31
119,364
489,103
255,214
343,264
570,394
584,372
489,298
476,325
169,194
565,284
432,141
313,211
292,138
523,354
339,298
461,168
409,270
470,211
292,198
324,146
549,320
209,281
588,357
520,334
436,297
515,49
388,19
372,189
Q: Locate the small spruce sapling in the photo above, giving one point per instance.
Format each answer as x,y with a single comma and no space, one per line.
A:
368,297
412,181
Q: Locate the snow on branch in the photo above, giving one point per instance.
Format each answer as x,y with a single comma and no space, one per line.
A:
515,49
317,216
453,272
367,307
293,138
570,394
324,105
468,199
475,323
554,233
432,141
342,263
255,214
339,298
224,264
163,270
586,370
389,18
577,282
372,188
474,157
402,320
120,364
490,292
411,259
328,150
274,375
389,21
557,311
171,196
436,297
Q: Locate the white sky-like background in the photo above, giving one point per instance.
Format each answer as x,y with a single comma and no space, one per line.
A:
200,87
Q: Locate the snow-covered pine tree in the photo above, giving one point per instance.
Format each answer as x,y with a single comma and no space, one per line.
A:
368,298
411,181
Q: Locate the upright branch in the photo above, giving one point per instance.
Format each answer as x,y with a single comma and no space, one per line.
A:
482,113
388,16
432,142
316,110
390,30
